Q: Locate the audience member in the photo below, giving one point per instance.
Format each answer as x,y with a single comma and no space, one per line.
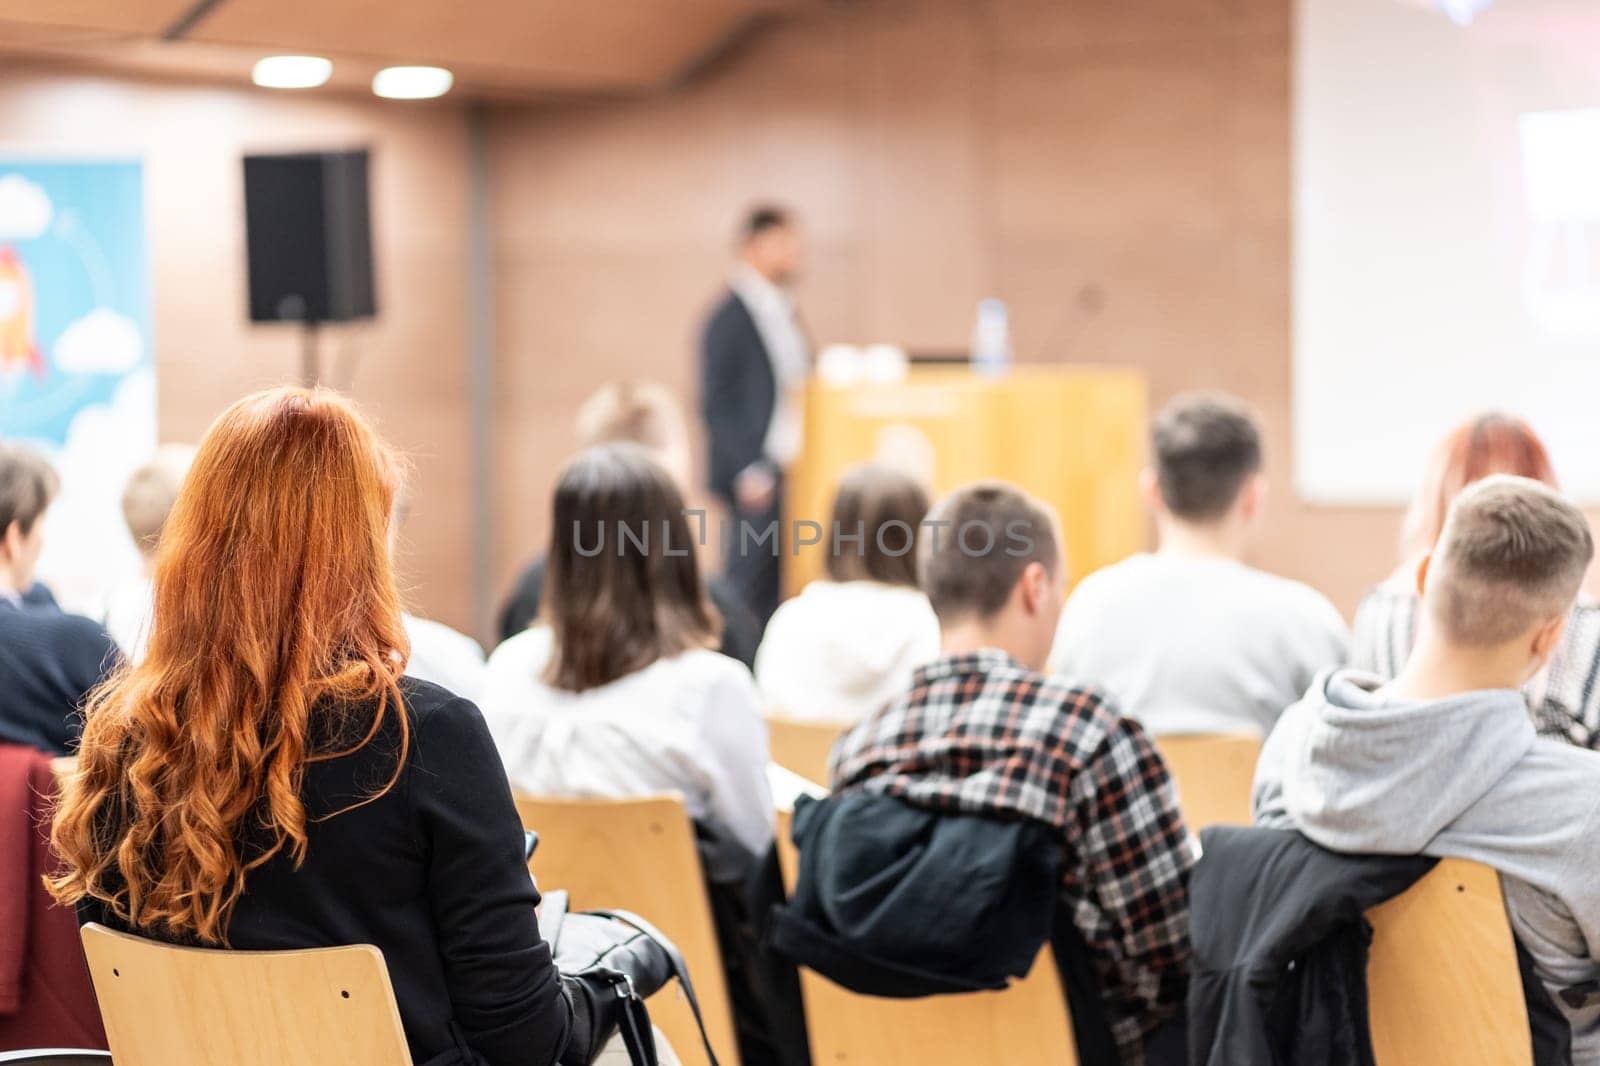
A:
981,730
754,358
620,694
451,660
1444,760
845,645
645,414
147,499
1564,700
49,660
1190,639
266,779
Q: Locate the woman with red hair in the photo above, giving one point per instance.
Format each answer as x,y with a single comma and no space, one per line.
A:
1564,699
266,778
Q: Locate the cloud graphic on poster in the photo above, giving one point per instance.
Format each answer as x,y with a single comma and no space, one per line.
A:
25,209
101,342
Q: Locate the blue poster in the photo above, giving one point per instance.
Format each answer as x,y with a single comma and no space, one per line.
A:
77,374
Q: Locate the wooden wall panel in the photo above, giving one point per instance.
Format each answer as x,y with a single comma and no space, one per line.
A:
1117,170
411,374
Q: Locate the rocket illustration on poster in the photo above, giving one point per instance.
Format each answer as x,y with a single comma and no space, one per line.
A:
77,376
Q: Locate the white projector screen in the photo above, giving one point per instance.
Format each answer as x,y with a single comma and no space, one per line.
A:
1446,234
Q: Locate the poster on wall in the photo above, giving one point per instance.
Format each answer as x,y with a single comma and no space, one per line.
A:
77,374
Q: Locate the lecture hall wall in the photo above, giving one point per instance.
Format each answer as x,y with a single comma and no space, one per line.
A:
408,365
1126,154
1130,155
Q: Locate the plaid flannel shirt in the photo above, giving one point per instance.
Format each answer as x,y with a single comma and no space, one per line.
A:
982,734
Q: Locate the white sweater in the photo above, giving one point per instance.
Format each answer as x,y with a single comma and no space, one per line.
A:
840,650
1189,645
445,657
690,724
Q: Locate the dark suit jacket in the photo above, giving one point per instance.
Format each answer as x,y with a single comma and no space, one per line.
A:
49,660
738,392
741,629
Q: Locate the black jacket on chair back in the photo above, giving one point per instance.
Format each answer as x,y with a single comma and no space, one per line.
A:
1280,948
895,901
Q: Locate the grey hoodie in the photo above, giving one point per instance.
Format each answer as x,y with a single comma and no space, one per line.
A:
1465,777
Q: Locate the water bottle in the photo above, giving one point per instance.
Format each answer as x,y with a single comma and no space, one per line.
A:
991,338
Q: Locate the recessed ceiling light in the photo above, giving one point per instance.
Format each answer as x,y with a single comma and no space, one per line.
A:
291,72
412,83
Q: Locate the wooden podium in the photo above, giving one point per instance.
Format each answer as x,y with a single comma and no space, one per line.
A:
1072,436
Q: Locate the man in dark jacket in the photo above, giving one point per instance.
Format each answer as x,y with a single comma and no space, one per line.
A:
753,362
49,660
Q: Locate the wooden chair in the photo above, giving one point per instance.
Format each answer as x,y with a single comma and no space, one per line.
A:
802,746
1213,773
176,1006
1024,1025
1442,976
639,855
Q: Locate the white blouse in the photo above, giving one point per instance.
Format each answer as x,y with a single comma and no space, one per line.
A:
840,650
689,724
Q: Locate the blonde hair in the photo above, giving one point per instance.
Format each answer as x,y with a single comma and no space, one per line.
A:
631,412
151,491
1512,555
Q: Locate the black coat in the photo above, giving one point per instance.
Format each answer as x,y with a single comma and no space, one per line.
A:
741,629
49,661
1280,942
738,392
1280,948
432,872
891,900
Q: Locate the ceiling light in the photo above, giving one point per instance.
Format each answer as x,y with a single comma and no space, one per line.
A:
291,72
412,83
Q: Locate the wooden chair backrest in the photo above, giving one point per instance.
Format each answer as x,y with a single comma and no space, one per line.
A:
1442,976
801,746
640,855
1024,1025
176,1006
1213,773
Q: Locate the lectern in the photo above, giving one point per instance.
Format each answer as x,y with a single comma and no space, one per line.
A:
1073,436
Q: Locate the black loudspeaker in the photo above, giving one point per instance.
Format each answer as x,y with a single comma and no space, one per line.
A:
309,237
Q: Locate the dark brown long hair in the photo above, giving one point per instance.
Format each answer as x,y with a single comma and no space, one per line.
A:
885,508
622,586
274,606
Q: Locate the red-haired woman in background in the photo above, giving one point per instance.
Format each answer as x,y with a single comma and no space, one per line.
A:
267,779
1564,699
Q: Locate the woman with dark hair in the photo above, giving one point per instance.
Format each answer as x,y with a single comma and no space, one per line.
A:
616,692
847,645
1564,700
266,778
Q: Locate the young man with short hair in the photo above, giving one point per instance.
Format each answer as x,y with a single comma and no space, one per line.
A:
1444,760
983,731
49,661
1190,639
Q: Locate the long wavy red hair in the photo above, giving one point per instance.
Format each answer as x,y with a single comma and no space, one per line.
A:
1490,443
274,604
